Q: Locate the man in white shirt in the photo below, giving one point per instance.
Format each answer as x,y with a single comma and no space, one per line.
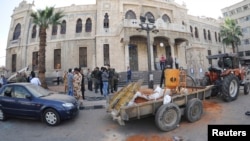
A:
35,80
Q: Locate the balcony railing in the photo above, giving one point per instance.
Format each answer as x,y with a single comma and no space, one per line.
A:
134,23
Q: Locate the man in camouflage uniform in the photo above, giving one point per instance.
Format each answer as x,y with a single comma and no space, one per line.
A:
77,82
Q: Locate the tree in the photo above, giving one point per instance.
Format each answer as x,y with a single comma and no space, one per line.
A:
44,18
230,33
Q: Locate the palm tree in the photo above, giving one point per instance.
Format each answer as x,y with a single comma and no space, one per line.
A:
44,18
230,33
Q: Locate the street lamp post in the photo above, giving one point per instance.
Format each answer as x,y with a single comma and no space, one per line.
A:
148,25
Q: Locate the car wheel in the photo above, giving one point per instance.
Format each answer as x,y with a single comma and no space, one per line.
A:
51,117
2,115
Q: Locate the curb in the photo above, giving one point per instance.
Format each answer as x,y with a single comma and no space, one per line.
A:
92,107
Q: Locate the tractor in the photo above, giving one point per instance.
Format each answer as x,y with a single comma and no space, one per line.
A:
227,77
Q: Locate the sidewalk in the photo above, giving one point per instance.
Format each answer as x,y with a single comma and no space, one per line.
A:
92,100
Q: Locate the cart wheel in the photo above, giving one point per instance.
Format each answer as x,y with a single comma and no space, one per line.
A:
168,117
193,110
246,88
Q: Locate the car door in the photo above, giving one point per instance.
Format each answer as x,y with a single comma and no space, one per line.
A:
7,102
26,105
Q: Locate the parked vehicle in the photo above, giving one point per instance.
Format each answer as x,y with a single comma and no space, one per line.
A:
187,103
227,77
27,100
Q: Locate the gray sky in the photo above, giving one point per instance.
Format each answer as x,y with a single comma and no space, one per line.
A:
208,8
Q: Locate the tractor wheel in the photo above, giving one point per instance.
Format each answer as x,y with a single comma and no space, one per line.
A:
246,88
168,117
193,110
230,88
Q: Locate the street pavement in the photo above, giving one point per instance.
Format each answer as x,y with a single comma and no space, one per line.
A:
92,100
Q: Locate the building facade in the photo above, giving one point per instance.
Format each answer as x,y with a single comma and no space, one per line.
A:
241,13
107,33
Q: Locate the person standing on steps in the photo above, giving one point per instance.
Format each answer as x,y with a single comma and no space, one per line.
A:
162,62
176,63
129,75
169,63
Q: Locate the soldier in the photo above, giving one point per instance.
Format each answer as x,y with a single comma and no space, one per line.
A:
77,82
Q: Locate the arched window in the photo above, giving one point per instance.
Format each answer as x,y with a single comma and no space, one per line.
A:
150,17
79,26
106,21
17,31
219,37
88,25
33,35
130,15
209,35
196,32
215,35
191,30
205,34
54,30
166,18
63,27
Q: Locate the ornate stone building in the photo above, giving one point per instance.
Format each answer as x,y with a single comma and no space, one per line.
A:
107,33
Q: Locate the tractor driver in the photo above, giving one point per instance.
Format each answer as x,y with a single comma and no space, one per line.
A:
226,63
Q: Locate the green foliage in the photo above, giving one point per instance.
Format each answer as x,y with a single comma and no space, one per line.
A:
46,17
230,33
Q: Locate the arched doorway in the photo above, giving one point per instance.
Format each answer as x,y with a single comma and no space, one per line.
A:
133,57
160,47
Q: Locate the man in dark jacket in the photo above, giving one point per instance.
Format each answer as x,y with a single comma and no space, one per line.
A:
83,84
96,78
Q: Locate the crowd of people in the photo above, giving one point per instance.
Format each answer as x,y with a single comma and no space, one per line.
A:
103,80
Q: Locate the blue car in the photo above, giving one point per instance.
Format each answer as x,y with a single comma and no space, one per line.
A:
27,100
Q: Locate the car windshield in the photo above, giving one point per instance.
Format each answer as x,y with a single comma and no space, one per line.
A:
38,91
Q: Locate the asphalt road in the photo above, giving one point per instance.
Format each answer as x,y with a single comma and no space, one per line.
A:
97,125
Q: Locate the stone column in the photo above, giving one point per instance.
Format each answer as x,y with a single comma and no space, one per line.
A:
172,46
126,50
152,53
